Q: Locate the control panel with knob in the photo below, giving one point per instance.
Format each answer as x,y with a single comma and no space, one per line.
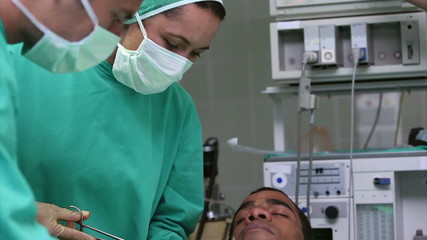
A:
328,179
329,210
332,212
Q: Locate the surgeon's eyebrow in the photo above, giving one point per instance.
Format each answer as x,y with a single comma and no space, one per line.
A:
186,41
128,15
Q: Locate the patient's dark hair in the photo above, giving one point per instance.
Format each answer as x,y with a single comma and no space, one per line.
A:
305,224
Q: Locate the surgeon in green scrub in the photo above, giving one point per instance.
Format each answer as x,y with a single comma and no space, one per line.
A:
51,32
123,140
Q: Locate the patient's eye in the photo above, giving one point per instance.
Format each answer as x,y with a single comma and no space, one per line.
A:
280,214
239,220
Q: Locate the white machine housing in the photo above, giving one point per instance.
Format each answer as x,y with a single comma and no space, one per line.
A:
387,191
303,9
397,44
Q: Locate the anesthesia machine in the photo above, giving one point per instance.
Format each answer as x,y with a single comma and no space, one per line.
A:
321,47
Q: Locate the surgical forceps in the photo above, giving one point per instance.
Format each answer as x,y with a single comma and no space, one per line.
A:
83,225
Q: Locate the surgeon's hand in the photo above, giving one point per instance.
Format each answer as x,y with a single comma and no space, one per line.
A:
49,215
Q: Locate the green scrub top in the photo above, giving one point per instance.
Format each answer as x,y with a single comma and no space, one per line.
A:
17,203
135,161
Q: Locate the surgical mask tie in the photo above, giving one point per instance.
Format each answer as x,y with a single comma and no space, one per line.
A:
56,54
149,69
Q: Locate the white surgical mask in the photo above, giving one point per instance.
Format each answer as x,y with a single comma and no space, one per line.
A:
59,55
149,69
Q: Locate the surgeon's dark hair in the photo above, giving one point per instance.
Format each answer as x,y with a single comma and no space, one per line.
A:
305,224
215,7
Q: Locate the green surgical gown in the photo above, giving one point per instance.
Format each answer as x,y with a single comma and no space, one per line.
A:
17,203
135,161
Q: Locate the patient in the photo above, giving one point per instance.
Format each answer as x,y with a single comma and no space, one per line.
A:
269,214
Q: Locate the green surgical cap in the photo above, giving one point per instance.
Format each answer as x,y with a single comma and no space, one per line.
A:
150,8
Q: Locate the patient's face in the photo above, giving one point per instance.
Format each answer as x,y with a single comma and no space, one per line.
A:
267,215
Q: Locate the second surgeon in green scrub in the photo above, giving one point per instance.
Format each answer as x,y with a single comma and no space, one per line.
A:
117,140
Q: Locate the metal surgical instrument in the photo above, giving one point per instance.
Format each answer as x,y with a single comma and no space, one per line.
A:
83,225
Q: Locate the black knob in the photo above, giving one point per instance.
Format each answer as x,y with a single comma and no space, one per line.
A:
331,212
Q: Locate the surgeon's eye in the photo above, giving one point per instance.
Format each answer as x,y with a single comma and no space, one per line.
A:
116,20
127,17
171,46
